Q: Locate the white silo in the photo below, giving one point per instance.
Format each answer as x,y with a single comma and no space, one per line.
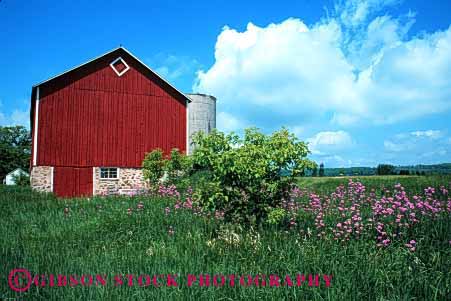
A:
201,115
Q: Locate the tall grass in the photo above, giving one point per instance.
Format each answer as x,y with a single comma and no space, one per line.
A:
102,236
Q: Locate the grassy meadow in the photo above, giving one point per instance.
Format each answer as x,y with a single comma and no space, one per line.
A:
147,235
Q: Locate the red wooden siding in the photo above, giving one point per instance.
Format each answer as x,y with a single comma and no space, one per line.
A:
72,182
93,117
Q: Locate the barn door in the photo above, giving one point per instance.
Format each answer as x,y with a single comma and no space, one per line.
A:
72,181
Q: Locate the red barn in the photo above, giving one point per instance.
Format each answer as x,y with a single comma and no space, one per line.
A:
93,125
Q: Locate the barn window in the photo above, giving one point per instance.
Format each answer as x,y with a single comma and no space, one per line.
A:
119,66
109,173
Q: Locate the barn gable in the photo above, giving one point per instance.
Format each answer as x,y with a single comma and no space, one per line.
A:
61,80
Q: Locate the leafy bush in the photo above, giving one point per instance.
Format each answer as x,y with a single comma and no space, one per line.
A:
177,167
276,216
159,169
153,167
249,176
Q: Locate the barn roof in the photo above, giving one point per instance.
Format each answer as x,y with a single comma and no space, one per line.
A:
13,171
118,49
101,56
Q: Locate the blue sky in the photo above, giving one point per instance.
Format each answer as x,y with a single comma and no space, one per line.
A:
363,81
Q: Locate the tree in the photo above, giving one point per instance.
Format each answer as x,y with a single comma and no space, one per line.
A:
249,177
315,172
385,169
321,170
15,149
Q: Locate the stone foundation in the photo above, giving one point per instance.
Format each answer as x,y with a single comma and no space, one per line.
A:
41,178
129,180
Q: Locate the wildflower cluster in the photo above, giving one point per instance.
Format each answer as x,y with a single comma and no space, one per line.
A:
186,202
350,212
168,191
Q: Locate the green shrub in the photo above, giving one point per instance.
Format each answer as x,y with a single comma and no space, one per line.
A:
177,167
153,167
168,170
276,216
249,176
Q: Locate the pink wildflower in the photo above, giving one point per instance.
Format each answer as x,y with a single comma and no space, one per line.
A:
171,231
140,206
219,214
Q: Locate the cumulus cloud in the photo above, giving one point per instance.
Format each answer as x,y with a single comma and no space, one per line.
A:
228,122
426,145
345,70
434,134
297,130
16,117
355,12
328,142
20,118
336,160
172,67
395,147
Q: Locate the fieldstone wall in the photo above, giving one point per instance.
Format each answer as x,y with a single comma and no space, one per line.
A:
41,178
130,180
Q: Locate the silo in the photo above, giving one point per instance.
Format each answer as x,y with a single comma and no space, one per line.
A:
201,115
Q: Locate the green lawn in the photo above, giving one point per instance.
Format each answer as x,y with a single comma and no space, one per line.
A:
98,236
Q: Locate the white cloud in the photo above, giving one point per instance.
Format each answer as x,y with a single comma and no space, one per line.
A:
20,118
427,144
394,147
290,71
337,161
434,134
354,12
17,117
327,142
229,123
172,67
297,130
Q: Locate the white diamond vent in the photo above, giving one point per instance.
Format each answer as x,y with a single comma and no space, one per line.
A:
119,66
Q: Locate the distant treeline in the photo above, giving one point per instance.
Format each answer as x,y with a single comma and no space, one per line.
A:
434,169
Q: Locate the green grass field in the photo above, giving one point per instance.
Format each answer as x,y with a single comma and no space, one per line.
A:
98,236
413,184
